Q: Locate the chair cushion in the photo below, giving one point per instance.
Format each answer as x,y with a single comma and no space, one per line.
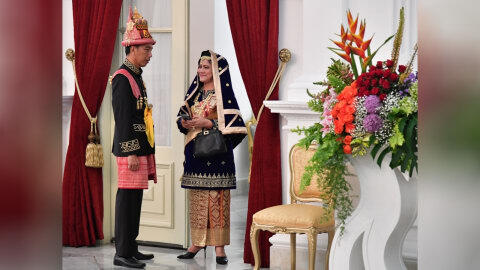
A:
301,216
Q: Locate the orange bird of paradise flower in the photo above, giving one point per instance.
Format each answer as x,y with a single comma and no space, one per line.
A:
351,41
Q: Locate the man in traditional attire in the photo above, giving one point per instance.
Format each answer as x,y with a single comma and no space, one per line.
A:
133,141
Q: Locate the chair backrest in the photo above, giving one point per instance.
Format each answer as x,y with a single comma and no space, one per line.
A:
298,158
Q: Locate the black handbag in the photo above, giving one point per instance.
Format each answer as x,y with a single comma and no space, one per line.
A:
208,143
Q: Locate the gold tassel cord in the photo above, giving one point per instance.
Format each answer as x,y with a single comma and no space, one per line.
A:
94,150
284,56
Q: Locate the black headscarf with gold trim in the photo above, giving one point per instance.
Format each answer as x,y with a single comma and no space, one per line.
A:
230,121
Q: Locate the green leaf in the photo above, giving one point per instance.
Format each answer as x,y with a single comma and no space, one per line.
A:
396,138
410,136
354,65
382,155
396,158
375,150
414,161
371,140
334,49
401,124
405,162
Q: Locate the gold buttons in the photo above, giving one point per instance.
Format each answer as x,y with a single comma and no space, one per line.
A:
229,101
220,69
227,84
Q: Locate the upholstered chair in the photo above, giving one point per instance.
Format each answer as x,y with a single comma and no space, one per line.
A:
297,217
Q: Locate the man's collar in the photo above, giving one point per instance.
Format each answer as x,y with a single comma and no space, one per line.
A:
132,67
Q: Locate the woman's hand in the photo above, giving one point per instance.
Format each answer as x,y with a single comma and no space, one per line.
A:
187,124
200,122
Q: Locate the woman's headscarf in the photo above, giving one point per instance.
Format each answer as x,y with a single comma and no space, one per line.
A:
229,118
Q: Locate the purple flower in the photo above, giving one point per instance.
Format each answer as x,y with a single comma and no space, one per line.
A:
410,79
372,123
372,102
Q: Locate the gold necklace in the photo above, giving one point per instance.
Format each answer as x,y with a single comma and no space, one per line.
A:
197,109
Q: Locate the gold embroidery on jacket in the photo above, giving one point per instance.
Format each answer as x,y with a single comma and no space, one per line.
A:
139,127
130,146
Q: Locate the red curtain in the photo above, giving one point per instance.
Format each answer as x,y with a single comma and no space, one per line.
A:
254,27
95,26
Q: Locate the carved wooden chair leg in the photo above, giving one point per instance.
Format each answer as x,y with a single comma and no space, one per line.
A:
329,246
312,248
293,251
254,242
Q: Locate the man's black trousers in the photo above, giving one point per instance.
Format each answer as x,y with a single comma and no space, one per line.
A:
128,204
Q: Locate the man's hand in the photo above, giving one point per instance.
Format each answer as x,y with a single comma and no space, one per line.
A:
133,163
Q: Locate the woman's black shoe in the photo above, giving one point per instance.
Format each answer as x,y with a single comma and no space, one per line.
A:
222,260
190,255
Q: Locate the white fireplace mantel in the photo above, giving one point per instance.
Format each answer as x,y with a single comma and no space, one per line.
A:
294,113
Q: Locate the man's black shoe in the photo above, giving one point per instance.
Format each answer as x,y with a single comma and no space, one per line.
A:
127,262
143,256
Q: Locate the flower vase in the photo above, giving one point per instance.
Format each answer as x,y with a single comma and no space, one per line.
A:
374,233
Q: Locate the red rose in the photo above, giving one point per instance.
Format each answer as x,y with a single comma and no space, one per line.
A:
371,68
401,68
393,77
379,64
386,85
389,63
374,82
386,73
382,96
375,91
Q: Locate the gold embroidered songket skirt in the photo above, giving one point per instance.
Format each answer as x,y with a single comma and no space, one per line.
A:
209,217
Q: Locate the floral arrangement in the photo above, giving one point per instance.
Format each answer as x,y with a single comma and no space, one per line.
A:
363,108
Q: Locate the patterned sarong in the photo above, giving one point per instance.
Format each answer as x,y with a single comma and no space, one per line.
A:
136,179
209,217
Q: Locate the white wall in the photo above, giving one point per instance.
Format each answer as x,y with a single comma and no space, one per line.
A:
201,32
67,42
68,83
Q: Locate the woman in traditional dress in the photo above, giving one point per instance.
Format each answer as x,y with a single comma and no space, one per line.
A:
210,103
